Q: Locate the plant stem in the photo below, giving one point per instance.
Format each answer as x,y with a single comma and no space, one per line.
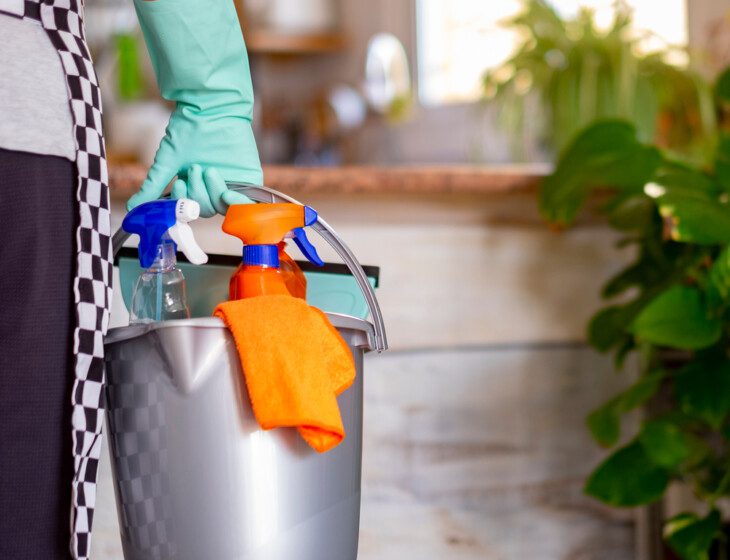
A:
722,547
721,488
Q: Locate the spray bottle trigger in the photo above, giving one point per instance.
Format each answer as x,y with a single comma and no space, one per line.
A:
182,234
307,249
310,216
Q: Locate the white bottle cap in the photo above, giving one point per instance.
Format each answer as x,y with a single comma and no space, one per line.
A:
187,210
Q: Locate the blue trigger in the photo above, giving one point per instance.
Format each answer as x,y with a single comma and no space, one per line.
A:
307,249
310,216
150,221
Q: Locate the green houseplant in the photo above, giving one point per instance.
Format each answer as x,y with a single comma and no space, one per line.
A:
672,306
579,73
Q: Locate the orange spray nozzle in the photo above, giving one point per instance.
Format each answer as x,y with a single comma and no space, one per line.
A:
266,224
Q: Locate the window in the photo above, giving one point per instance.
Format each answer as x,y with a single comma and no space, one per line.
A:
459,39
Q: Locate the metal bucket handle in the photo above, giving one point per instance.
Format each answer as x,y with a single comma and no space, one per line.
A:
269,196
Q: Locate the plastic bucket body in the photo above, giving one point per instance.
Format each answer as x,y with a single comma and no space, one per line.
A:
196,477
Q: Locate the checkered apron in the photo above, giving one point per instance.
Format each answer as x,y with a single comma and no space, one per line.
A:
63,22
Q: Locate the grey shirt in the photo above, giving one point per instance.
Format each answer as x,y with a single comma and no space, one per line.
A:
34,106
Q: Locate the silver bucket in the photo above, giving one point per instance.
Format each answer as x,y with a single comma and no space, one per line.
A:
195,476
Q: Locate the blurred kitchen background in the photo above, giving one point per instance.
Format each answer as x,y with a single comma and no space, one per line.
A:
399,121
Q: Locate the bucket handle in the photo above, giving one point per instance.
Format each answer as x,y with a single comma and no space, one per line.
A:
269,196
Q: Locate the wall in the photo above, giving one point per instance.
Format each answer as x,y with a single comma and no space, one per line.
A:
709,34
481,454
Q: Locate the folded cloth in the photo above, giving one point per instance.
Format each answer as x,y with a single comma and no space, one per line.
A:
295,364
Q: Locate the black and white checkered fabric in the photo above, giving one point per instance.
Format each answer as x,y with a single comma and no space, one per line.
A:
63,22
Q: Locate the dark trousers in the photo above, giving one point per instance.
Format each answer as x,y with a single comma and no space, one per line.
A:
37,265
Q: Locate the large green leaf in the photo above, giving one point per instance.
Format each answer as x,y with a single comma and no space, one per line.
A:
610,325
677,318
665,443
697,217
679,178
722,161
693,202
703,390
651,272
691,536
605,422
633,276
628,478
606,153
718,281
630,212
722,86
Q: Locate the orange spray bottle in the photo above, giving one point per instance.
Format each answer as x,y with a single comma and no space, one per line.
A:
262,227
294,278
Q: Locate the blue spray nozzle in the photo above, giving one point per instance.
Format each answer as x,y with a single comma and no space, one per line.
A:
305,246
150,221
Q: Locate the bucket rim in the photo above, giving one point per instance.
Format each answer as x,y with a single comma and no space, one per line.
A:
121,334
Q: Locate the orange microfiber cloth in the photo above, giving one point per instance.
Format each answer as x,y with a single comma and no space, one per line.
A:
295,364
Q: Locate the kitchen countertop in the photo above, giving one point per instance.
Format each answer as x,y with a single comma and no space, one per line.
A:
125,178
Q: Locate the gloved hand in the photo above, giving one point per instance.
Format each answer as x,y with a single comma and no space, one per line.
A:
200,61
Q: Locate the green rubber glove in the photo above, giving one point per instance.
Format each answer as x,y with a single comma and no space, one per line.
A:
200,61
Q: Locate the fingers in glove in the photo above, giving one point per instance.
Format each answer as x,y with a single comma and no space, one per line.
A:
217,190
158,177
198,192
179,190
232,197
216,186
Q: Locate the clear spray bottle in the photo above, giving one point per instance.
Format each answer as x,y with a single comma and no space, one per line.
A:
159,293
